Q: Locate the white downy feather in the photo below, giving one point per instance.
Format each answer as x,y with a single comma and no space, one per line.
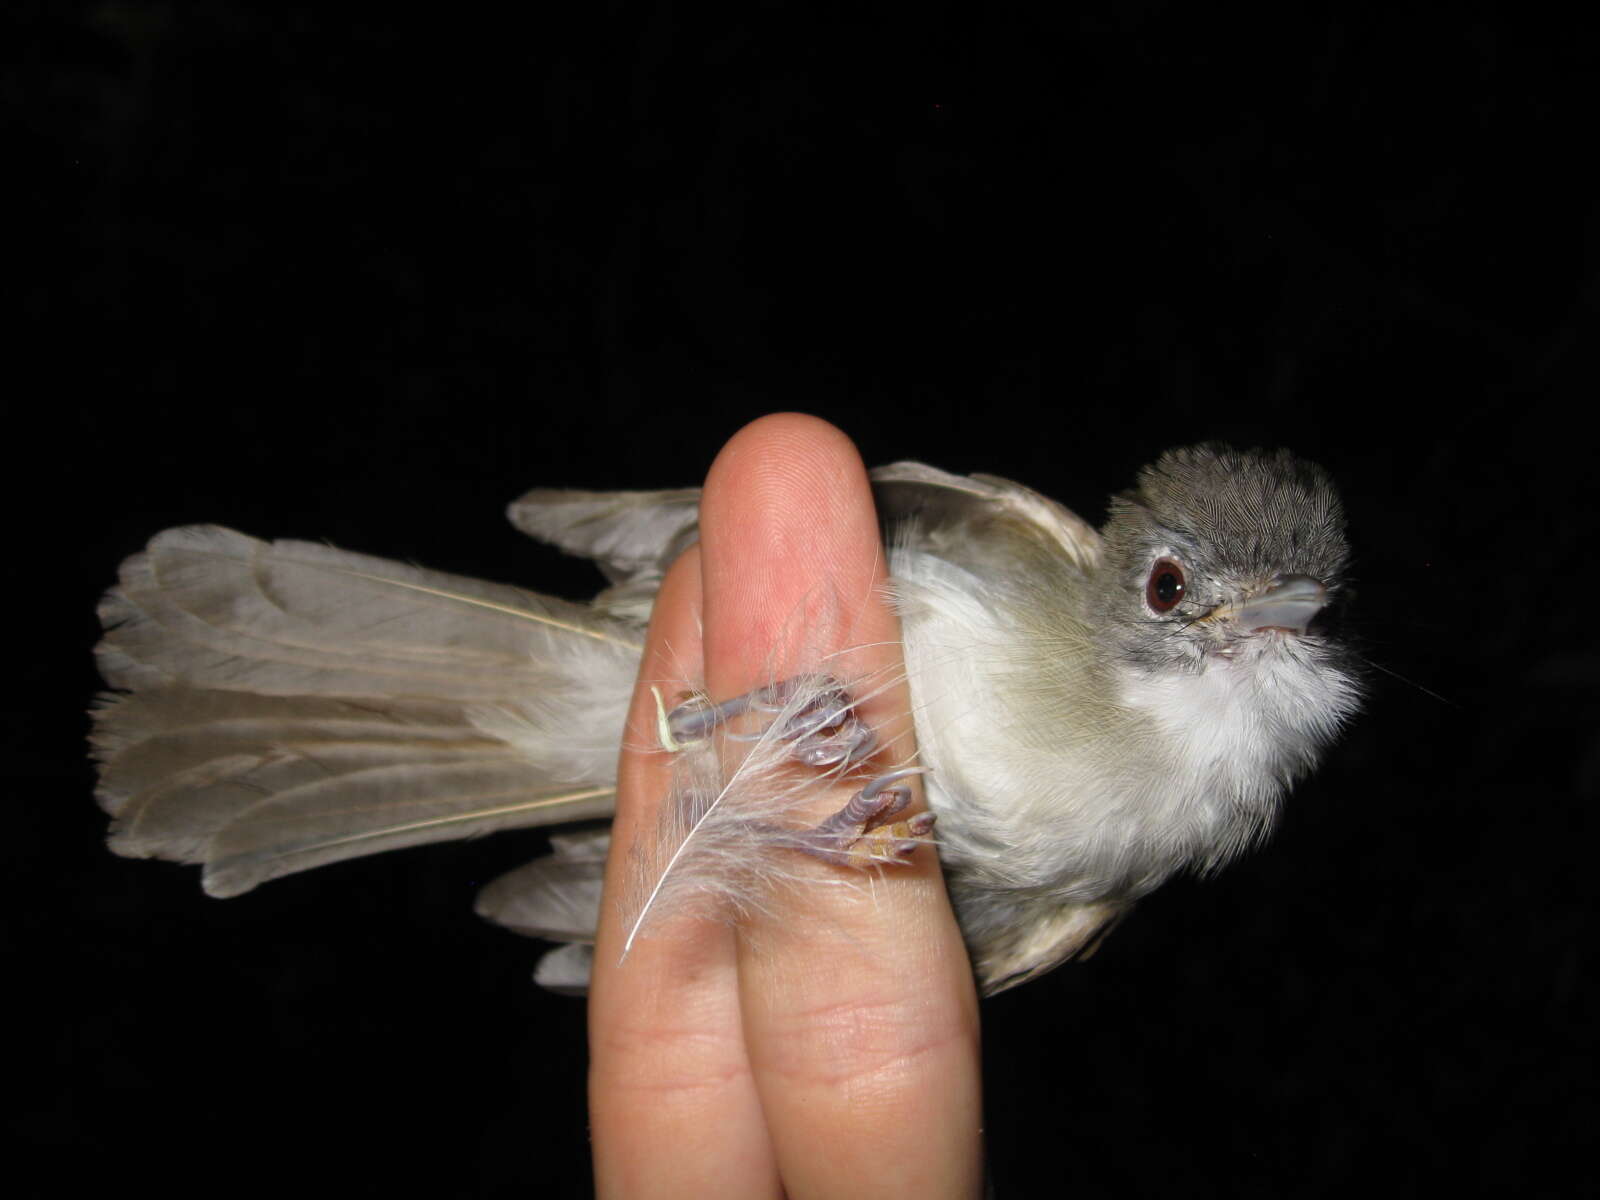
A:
726,837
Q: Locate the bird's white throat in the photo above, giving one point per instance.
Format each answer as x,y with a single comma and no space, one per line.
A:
1245,725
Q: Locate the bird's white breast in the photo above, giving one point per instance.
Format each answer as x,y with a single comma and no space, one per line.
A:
1107,789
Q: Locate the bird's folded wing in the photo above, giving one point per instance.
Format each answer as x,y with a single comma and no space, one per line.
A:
556,896
293,705
629,534
634,536
952,515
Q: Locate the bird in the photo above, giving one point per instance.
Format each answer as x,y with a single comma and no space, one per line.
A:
1095,710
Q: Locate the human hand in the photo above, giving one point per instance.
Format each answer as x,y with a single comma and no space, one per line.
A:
828,1047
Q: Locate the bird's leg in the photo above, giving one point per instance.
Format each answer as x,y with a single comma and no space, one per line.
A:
823,730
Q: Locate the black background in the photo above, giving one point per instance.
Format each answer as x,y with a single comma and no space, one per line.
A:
335,272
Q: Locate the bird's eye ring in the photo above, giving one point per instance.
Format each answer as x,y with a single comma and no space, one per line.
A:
1166,585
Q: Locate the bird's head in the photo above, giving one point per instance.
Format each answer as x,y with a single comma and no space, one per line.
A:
1222,553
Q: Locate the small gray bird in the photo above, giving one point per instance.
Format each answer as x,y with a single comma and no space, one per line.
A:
1094,711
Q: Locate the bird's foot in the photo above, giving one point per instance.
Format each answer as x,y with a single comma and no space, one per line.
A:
817,716
823,729
864,831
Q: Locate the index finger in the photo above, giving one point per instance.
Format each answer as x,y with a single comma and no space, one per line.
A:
858,1006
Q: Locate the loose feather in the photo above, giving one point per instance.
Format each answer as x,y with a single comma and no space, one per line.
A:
739,809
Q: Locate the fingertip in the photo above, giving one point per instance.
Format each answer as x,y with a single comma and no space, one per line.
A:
789,527
793,479
778,443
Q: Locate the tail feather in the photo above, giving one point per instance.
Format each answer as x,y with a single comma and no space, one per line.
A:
293,705
151,735
387,808
209,607
174,775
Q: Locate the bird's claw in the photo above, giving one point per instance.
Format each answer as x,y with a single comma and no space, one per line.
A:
864,830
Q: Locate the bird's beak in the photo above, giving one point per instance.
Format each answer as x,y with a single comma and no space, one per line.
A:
1288,604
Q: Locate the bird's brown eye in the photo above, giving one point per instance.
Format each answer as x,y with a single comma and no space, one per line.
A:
1165,586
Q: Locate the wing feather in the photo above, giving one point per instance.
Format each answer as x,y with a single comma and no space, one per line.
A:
948,514
555,897
629,534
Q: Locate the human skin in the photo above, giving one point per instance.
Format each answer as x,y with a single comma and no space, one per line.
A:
827,1046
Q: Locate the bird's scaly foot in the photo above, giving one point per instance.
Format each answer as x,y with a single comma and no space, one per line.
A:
823,731
864,831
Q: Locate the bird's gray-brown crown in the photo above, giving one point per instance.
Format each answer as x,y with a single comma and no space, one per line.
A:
1245,510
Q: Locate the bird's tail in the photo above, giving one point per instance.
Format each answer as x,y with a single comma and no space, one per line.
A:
284,705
